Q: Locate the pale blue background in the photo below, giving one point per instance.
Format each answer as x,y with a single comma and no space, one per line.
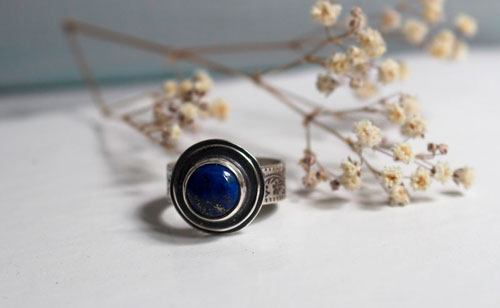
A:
33,54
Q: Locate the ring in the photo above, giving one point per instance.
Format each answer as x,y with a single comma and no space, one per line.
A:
219,187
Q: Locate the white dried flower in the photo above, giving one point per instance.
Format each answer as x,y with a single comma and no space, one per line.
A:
442,45
326,84
464,176
403,70
421,179
415,31
391,177
432,10
460,51
399,196
351,167
442,172
220,109
396,114
350,183
403,152
390,20
185,87
174,132
372,42
368,134
367,90
388,71
466,25
325,13
415,126
170,87
338,63
356,20
410,104
189,111
202,75
356,56
202,82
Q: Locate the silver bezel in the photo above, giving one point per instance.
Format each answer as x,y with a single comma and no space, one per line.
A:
241,163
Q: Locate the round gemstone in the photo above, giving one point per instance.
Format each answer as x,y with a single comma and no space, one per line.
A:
213,191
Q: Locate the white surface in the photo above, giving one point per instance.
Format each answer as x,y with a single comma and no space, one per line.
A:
82,220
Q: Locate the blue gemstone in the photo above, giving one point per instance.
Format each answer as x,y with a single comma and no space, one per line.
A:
213,191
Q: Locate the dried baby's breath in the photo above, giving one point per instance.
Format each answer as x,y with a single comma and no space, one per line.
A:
356,61
367,90
338,63
170,87
464,176
414,127
466,25
388,71
410,104
442,45
185,87
421,179
220,109
175,132
403,152
391,177
368,134
403,70
415,31
432,10
460,51
189,111
326,84
372,42
390,20
399,196
396,114
325,13
203,82
442,172
356,56
351,183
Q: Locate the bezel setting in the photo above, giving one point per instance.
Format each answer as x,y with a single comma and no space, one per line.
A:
243,165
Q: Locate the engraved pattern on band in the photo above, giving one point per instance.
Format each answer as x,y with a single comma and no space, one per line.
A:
273,171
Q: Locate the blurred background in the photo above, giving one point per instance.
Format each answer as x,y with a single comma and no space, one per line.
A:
35,56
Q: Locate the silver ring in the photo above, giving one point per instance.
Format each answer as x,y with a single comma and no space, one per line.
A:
219,187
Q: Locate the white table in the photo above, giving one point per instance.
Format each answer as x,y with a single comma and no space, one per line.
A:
83,218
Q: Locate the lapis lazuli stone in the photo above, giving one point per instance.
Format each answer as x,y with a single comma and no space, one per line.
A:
213,191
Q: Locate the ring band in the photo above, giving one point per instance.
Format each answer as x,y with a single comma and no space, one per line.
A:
219,187
273,171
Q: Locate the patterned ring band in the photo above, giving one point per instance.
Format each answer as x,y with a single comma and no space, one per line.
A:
219,187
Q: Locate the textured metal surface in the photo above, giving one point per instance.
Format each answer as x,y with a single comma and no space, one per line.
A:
273,171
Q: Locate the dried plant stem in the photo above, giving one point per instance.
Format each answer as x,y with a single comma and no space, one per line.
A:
73,27
170,107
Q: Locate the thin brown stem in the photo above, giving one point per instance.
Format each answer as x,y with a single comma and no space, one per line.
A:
85,69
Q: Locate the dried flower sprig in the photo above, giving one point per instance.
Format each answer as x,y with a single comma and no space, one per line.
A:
354,61
177,107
